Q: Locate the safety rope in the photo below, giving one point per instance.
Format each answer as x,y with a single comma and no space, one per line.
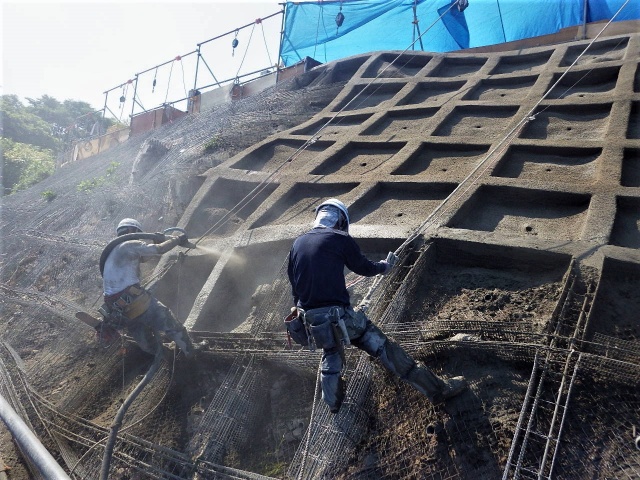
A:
169,82
184,84
123,99
315,46
305,452
246,50
264,37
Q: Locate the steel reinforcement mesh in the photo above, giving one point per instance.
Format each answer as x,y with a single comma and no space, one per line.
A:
544,399
549,408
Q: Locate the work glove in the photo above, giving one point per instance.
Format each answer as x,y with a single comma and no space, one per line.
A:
389,262
159,237
183,240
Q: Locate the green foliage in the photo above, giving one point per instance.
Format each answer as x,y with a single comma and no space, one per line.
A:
24,164
275,470
49,195
90,184
33,134
212,144
23,126
52,111
113,166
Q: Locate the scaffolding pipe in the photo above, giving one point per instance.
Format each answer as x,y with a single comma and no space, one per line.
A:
280,42
29,443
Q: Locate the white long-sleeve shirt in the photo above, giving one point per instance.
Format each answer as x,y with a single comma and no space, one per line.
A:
122,267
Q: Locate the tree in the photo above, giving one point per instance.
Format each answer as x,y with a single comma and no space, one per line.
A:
33,134
23,126
74,117
24,165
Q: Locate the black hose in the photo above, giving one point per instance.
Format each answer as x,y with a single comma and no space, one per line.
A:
117,422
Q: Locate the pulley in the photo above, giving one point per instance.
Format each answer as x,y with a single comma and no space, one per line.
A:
234,43
339,19
153,87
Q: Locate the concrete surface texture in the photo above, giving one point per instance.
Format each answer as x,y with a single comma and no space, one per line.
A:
509,182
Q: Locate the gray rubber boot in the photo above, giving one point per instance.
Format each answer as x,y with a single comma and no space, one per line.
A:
426,382
453,387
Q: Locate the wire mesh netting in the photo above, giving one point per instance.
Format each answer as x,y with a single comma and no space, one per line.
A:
547,342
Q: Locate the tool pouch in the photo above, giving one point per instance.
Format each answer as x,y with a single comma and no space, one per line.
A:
324,334
324,324
296,329
127,305
113,317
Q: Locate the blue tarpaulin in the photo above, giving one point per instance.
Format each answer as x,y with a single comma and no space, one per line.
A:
311,29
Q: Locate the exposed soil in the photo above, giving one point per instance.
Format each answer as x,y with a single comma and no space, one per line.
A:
532,264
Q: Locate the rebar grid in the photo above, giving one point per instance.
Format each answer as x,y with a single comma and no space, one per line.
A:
330,433
226,422
471,434
614,348
75,437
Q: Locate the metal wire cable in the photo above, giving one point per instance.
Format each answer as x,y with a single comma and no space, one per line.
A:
462,187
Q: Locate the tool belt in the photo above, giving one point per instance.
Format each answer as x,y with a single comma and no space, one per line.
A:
126,305
327,326
297,329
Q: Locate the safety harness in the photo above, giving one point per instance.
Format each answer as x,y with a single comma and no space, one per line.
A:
126,305
120,308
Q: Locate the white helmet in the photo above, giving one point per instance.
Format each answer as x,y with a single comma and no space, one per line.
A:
334,202
128,223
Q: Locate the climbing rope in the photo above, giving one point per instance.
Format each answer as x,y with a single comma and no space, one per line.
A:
305,452
184,84
169,82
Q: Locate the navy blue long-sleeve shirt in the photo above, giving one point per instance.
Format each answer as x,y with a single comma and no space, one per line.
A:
316,268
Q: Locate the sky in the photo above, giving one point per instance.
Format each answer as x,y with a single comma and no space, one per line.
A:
77,50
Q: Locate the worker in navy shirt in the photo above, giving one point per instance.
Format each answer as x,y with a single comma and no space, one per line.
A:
316,271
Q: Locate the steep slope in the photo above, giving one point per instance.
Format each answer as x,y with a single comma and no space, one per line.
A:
511,192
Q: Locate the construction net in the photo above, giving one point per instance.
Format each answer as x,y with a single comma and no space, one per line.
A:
547,342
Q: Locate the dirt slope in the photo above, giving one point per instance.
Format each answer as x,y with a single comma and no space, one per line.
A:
522,209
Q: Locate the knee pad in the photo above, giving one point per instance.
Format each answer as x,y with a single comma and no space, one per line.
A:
396,360
371,341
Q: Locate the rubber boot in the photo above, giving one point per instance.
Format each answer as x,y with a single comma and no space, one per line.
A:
426,382
454,386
